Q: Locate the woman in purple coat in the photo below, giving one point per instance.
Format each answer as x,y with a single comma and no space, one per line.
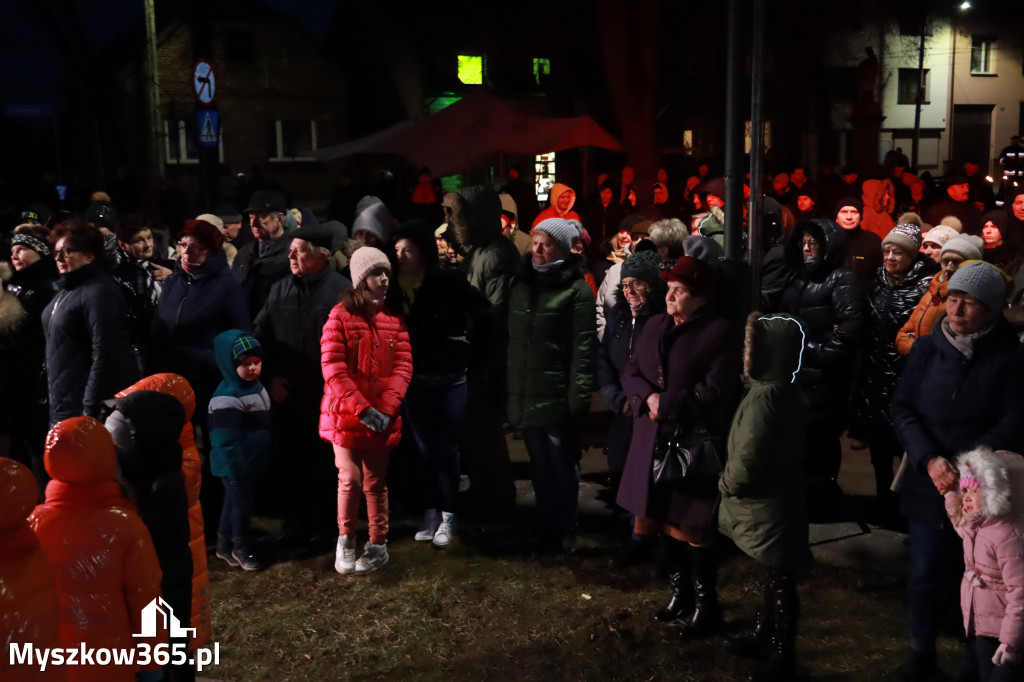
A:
683,372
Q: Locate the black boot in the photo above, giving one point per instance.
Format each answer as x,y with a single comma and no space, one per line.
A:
706,616
756,642
224,549
673,554
781,663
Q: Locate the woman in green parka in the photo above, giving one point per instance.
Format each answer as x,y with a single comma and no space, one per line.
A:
761,509
552,326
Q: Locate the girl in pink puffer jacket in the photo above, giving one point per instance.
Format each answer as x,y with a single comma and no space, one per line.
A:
987,511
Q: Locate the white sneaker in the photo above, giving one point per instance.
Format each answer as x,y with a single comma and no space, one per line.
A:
345,554
428,527
445,530
374,556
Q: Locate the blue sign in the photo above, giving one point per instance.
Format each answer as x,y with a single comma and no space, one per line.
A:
208,128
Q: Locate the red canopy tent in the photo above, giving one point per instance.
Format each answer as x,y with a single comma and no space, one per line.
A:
471,132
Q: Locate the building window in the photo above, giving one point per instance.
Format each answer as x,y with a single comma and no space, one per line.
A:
543,175
981,56
180,142
471,69
908,85
291,140
541,69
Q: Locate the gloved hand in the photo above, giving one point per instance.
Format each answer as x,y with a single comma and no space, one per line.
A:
375,420
1005,656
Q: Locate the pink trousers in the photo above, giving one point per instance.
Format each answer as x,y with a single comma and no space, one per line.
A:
366,471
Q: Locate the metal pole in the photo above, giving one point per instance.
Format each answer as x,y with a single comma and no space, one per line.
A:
951,115
920,94
156,159
756,206
733,140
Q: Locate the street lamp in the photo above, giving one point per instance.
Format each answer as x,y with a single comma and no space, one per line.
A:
965,4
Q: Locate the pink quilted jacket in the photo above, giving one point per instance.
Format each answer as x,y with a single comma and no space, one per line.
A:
366,363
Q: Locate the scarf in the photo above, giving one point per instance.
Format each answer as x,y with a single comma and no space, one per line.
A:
963,343
547,266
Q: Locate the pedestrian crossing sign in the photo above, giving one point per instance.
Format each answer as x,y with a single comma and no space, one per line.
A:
208,127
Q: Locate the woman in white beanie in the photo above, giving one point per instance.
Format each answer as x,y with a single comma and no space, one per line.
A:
552,345
899,284
367,364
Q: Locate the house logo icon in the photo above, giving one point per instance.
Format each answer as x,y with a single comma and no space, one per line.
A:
157,609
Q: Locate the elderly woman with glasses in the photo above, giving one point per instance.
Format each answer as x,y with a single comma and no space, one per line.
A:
199,300
86,327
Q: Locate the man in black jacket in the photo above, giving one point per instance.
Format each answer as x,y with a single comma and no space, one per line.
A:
261,263
289,326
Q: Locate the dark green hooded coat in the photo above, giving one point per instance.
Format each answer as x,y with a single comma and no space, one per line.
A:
763,506
552,325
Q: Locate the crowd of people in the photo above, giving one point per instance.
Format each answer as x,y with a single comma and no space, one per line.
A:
166,383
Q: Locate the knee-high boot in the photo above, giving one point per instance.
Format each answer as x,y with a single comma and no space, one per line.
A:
781,663
705,617
756,642
674,557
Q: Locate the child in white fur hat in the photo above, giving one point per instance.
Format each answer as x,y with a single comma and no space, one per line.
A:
987,511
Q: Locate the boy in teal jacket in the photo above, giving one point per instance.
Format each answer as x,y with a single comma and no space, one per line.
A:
240,440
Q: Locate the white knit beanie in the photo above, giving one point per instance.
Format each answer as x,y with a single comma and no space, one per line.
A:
940,234
561,232
967,245
364,260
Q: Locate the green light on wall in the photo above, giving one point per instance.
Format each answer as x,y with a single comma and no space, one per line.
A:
439,103
541,68
471,69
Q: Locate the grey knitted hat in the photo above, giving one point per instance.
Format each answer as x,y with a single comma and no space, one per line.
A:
982,280
561,231
642,266
967,245
907,236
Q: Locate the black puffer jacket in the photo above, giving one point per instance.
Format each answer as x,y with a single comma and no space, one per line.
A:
890,303
616,347
87,343
829,301
34,287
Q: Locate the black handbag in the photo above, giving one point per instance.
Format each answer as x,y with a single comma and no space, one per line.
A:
684,454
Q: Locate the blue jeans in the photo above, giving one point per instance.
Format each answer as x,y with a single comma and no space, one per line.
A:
555,462
237,510
936,564
434,416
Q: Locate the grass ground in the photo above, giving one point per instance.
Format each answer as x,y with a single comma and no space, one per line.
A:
484,610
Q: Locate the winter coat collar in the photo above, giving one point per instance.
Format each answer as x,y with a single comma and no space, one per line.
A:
923,267
76,278
559,278
213,265
37,275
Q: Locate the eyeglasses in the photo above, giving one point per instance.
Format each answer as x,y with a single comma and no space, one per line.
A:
634,285
810,242
62,254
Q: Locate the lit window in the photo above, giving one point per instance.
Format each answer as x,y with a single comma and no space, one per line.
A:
907,87
543,175
981,55
471,69
291,140
541,68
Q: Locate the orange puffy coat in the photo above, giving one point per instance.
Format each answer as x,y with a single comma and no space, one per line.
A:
929,309
879,201
100,551
366,363
28,593
191,467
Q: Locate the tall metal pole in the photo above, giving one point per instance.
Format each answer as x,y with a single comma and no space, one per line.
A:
920,94
733,140
755,209
156,157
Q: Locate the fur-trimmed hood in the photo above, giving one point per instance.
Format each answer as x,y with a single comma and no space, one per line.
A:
475,215
12,313
773,348
1000,475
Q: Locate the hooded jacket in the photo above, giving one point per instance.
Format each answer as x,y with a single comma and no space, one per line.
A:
829,302
101,553
927,312
490,258
557,190
193,309
87,343
191,469
992,589
239,418
890,304
759,509
879,202
365,363
552,343
145,426
28,605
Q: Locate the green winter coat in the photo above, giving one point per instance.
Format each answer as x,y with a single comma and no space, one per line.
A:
763,507
552,325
